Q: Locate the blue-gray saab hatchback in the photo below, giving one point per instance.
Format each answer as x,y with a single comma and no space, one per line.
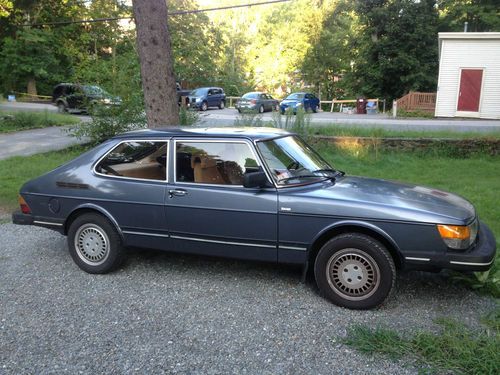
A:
253,193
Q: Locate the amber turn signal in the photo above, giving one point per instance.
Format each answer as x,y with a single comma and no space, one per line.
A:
458,232
25,209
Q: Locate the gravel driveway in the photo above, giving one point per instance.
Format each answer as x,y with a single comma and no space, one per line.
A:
167,313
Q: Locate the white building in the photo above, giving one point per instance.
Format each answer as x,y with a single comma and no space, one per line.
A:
469,75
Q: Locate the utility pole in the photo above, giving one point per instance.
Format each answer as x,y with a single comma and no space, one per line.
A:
155,55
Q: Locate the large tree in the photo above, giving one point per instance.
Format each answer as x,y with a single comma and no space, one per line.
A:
153,45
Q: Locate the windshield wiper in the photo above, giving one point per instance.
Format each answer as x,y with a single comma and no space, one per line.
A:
335,172
305,176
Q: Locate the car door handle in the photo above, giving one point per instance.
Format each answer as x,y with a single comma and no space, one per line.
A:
177,192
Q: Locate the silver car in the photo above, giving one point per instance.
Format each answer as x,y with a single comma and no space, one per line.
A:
257,101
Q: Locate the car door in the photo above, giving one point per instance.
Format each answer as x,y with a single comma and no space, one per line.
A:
208,210
307,102
130,182
265,102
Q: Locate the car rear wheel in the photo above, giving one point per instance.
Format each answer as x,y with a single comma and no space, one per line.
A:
222,104
94,244
61,108
277,107
355,271
204,106
315,108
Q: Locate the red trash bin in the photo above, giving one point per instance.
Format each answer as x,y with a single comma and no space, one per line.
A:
361,106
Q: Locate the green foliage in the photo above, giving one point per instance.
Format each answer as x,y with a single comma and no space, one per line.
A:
108,121
360,131
397,48
188,117
297,123
16,121
249,119
456,348
481,15
410,114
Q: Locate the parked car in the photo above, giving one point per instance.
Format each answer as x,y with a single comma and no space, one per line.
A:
257,101
71,97
253,193
304,100
181,93
205,97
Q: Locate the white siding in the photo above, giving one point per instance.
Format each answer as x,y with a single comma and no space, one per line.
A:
474,53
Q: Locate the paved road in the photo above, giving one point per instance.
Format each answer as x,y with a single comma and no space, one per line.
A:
29,142
178,314
226,117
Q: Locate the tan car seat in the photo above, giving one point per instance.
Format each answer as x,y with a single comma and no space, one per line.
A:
205,170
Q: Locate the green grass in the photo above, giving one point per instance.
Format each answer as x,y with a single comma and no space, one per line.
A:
16,121
456,348
377,132
17,170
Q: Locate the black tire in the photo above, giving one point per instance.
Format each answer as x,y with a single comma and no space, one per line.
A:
61,108
261,109
355,271
277,107
222,104
315,109
94,244
239,110
204,106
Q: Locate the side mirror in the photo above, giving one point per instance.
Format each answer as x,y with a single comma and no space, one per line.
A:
255,179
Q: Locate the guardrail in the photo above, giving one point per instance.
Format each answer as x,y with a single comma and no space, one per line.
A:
23,96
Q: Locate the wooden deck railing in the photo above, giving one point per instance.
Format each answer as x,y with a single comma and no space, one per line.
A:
418,101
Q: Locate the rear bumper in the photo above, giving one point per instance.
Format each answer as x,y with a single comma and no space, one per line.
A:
27,219
479,258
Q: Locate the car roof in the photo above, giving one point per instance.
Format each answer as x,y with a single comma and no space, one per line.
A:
256,133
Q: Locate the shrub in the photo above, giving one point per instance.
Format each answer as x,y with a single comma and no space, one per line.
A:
108,121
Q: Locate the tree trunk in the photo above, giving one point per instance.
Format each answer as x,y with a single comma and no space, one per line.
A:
157,72
32,86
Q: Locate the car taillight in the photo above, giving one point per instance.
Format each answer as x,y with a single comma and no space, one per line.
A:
25,209
253,101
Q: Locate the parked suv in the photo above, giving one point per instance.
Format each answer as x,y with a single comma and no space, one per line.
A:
205,97
71,97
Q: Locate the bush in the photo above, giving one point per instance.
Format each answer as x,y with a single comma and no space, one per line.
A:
187,117
108,121
298,123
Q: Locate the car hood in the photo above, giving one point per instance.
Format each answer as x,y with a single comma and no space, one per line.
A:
361,197
290,102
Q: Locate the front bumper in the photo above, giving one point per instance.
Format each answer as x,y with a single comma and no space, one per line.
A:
479,258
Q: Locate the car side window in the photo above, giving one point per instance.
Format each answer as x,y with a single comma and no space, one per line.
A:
218,163
144,160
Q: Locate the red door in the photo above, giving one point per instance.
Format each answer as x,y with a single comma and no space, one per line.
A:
470,90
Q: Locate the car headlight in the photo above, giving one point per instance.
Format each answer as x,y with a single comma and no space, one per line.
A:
458,237
197,100
298,104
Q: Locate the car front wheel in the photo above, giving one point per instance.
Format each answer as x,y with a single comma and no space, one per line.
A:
94,244
355,271
61,108
204,106
222,104
261,109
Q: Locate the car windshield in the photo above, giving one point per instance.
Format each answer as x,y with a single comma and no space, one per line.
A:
199,92
251,95
95,91
292,161
295,96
